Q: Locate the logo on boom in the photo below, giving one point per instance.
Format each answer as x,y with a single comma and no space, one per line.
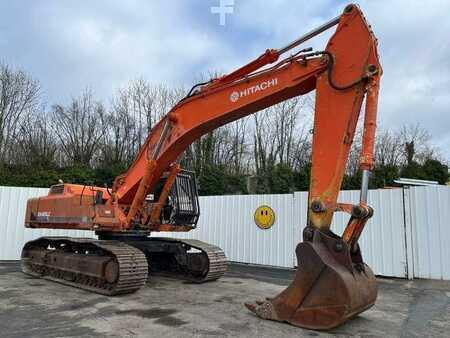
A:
234,96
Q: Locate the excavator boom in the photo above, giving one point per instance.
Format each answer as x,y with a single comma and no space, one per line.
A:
332,283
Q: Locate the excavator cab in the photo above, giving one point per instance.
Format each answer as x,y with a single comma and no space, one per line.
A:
181,206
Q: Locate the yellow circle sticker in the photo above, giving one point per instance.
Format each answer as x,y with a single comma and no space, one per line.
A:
264,217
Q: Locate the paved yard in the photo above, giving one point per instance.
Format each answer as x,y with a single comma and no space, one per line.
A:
31,307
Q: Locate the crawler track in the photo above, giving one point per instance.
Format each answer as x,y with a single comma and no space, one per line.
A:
210,264
113,266
105,267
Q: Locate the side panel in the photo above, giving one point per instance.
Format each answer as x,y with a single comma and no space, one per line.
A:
13,234
60,211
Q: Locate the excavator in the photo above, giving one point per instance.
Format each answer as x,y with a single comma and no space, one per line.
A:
332,283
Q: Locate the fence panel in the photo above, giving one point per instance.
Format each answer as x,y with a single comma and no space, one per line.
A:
383,240
228,222
430,220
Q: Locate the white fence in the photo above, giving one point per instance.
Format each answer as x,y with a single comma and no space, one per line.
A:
429,220
406,237
227,221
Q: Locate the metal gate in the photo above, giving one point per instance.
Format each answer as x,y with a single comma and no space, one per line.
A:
428,231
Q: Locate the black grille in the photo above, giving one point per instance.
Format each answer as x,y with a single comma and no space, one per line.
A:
184,197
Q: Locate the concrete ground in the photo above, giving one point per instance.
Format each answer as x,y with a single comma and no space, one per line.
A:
31,307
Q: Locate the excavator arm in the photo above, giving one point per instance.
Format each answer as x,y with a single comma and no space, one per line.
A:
332,283
341,76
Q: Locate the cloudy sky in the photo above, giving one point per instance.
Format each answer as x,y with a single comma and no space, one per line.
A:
71,45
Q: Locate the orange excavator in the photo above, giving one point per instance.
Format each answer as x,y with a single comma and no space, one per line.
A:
332,283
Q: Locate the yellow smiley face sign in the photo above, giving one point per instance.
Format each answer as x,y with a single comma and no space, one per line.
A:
264,217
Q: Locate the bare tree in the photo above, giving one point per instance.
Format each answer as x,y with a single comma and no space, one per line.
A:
165,98
19,94
236,152
397,148
388,148
279,137
264,147
416,143
119,144
135,102
35,145
134,111
79,127
205,151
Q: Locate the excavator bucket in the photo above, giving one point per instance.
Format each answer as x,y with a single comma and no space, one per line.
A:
331,285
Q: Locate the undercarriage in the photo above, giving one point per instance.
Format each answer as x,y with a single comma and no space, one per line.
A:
118,264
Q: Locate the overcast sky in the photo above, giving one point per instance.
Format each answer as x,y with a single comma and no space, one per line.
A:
71,45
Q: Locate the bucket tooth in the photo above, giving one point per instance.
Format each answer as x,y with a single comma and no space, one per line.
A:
331,285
